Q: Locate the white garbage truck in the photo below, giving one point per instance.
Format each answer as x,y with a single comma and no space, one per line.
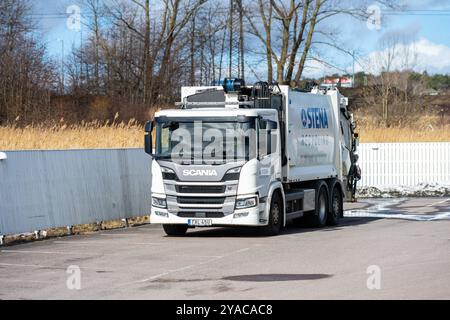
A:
256,156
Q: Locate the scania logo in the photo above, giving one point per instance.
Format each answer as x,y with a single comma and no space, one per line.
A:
195,173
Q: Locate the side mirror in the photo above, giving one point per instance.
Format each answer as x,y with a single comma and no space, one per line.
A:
355,142
148,138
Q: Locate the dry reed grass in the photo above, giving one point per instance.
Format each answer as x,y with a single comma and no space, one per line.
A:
427,128
441,134
97,135
87,135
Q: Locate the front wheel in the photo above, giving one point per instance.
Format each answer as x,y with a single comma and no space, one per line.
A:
175,230
275,217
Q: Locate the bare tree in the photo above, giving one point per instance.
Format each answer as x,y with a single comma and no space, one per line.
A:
287,29
393,65
27,76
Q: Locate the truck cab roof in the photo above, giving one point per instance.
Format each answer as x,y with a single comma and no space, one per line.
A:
214,112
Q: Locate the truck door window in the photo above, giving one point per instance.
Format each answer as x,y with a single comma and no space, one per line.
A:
265,136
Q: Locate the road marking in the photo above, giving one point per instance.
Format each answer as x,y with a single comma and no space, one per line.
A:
193,256
121,234
30,266
39,266
151,278
160,275
106,242
42,252
436,203
157,276
164,274
400,216
22,280
239,251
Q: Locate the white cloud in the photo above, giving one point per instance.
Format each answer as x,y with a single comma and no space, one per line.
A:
433,55
422,55
317,69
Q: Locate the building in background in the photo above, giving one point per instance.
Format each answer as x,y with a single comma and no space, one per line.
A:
331,82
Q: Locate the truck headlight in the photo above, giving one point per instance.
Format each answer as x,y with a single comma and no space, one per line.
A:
232,174
166,170
168,174
234,170
159,202
246,203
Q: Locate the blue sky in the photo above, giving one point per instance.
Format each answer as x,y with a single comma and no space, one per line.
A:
428,29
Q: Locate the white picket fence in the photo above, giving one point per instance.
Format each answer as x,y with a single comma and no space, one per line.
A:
404,164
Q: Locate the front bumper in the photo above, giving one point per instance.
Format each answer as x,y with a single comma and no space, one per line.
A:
246,217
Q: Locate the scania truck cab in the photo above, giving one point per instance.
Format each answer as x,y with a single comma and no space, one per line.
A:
256,156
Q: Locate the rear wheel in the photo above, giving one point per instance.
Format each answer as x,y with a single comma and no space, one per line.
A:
318,217
275,217
336,207
175,229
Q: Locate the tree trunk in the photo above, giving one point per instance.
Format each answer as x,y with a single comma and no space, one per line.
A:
308,41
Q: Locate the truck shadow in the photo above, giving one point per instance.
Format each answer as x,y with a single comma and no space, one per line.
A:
264,277
242,232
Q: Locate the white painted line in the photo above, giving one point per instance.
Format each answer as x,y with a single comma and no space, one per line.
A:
106,242
184,268
30,266
150,278
238,251
161,275
42,252
413,217
192,256
39,266
121,234
436,203
22,280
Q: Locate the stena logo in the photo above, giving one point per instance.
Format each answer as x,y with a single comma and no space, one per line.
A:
314,118
195,173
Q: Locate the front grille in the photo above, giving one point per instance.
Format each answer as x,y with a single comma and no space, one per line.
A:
205,215
226,177
200,189
201,200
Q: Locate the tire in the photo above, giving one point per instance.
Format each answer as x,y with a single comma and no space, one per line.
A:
318,217
175,230
275,216
336,206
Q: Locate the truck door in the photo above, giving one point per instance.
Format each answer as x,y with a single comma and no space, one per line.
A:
268,152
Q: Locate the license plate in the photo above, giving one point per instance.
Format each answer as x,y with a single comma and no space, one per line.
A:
200,222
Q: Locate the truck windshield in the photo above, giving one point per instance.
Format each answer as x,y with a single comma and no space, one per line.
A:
205,142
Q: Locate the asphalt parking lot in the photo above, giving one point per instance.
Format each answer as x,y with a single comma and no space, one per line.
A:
407,240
